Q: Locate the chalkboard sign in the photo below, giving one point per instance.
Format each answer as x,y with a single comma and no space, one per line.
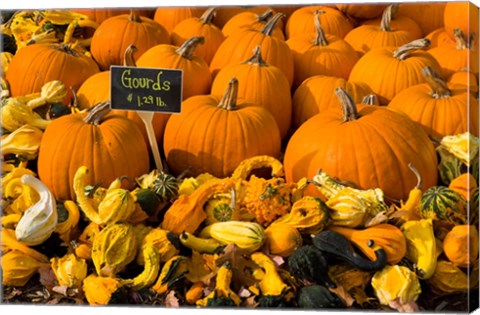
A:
146,89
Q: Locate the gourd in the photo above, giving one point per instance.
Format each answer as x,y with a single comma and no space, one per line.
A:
24,141
410,209
18,267
385,235
201,245
171,273
150,272
460,245
248,236
108,47
16,114
336,245
464,184
100,290
39,221
69,270
308,264
204,137
449,279
282,239
474,203
391,30
443,204
222,294
320,53
328,133
317,297
107,139
163,241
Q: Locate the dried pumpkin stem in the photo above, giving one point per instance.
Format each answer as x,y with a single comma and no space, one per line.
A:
265,16
134,16
128,59
388,14
438,85
349,109
320,39
68,49
271,24
370,99
461,40
97,113
256,59
403,52
208,16
229,99
417,174
188,47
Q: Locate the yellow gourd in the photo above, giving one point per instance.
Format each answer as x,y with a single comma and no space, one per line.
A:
282,239
460,245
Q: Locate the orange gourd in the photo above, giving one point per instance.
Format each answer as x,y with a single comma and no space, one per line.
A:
389,70
390,30
317,94
197,79
460,245
333,21
169,17
465,184
387,236
442,109
200,26
115,34
249,19
108,146
261,83
214,133
356,145
320,53
238,48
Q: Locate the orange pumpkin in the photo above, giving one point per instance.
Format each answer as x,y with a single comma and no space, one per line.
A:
462,15
169,17
225,13
108,146
317,94
253,20
438,37
214,134
390,30
465,184
101,14
464,79
438,107
319,53
460,245
115,34
96,89
238,48
202,26
368,145
457,56
333,21
261,83
34,65
390,70
196,74
361,11
427,15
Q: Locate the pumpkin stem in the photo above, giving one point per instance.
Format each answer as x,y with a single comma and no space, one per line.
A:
388,14
370,99
188,47
256,59
208,16
68,49
437,84
229,99
349,109
320,39
270,25
97,113
403,52
134,16
265,16
417,174
128,60
461,40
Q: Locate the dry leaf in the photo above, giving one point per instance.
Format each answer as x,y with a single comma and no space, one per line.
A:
171,300
343,294
47,277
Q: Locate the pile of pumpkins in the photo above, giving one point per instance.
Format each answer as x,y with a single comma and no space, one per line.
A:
302,128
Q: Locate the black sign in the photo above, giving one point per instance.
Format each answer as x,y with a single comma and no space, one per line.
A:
146,89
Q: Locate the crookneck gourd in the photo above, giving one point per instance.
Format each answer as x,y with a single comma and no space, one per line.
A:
309,264
336,245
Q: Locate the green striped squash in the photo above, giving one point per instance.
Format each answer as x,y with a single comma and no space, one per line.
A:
444,204
474,208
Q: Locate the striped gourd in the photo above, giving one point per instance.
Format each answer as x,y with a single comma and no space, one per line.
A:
443,203
474,205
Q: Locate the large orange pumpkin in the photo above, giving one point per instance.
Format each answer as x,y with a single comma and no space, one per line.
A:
214,134
108,146
333,21
389,70
361,10
202,26
261,83
427,15
101,14
197,78
239,46
319,53
438,37
225,13
169,17
368,145
390,30
441,109
253,20
34,65
462,15
317,94
115,34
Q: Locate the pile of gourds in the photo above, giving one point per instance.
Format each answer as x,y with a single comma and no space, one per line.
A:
326,156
